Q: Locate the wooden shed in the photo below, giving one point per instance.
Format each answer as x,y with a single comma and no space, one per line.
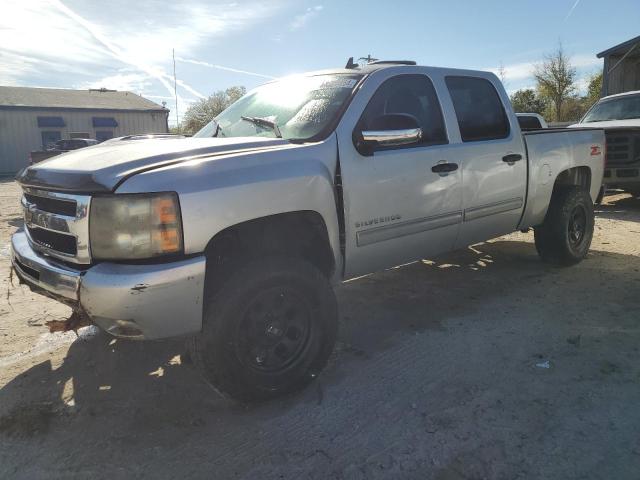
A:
621,71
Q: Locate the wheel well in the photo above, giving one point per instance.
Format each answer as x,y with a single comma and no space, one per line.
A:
301,234
578,176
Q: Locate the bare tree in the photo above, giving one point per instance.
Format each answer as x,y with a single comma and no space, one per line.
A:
555,78
204,110
502,74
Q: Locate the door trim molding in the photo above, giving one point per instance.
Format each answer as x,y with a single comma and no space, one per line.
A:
493,208
402,229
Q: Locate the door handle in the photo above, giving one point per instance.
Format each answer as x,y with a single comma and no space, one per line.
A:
444,168
512,158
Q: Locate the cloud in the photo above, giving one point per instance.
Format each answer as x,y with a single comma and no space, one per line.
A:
115,51
301,20
69,43
524,70
220,67
571,10
132,82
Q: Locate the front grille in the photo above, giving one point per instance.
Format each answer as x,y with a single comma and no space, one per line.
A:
54,240
52,205
622,148
627,172
58,224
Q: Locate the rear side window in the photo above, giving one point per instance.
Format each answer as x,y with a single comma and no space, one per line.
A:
529,122
411,95
479,110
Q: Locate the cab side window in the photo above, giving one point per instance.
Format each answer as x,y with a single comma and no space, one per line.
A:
479,111
410,95
529,122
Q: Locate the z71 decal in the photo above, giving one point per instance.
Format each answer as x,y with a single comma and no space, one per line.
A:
595,150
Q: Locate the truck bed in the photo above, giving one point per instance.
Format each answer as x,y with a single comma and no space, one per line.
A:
554,150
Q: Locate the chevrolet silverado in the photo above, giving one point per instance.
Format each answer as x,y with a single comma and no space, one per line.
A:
235,237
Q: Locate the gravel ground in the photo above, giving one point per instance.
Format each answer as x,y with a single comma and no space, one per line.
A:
483,364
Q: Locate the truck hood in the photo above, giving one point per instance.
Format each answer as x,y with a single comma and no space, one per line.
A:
102,168
633,122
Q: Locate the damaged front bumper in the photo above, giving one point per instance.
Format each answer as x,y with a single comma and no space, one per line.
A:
146,301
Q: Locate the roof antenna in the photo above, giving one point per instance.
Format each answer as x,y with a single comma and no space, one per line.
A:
368,59
350,65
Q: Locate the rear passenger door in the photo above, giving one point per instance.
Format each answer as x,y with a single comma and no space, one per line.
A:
494,163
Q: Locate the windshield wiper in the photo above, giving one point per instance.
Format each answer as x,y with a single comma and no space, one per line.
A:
264,122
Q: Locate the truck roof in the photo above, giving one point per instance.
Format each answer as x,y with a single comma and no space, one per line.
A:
623,94
397,64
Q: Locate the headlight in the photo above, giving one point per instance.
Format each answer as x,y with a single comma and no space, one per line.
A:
135,226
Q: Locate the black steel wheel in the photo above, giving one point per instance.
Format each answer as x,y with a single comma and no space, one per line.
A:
565,236
577,226
268,330
274,330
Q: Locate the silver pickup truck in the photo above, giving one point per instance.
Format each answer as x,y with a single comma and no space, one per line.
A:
234,237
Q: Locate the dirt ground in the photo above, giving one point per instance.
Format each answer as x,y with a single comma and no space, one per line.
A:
486,364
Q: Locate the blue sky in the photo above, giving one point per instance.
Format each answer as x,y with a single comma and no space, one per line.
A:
126,44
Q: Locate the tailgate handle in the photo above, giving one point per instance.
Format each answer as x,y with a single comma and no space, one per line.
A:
512,158
444,167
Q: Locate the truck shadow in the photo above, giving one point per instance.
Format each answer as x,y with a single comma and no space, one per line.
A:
619,207
108,390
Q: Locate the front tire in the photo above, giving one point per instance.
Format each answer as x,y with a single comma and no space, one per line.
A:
268,330
565,236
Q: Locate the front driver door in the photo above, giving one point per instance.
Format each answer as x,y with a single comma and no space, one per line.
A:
398,208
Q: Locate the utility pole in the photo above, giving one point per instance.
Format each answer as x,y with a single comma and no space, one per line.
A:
175,88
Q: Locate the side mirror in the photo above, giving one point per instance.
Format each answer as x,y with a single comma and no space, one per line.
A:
393,129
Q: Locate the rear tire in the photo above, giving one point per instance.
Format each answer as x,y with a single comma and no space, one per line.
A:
565,236
268,330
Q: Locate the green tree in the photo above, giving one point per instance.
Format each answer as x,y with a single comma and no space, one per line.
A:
204,110
556,78
594,90
574,108
526,101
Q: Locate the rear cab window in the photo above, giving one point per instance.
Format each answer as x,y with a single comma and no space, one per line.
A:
479,110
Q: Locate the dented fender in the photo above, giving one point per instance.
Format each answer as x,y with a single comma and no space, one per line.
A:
223,191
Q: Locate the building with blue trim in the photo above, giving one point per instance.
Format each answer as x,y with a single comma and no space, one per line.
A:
33,118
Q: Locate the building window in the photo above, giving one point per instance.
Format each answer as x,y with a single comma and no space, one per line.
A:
102,135
104,122
50,122
49,138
